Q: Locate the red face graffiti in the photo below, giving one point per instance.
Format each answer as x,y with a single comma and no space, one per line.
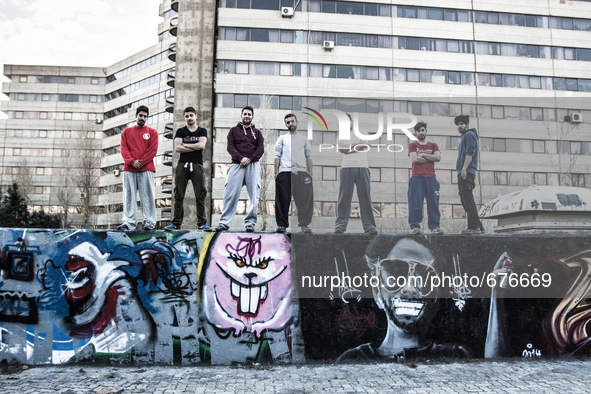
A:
81,280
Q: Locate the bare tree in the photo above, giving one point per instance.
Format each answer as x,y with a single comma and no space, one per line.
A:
67,189
80,173
23,176
263,123
87,172
112,203
563,161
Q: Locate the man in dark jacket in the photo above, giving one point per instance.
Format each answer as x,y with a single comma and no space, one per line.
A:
466,167
246,145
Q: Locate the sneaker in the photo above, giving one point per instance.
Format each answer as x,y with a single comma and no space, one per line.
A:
372,231
205,227
470,231
280,229
338,230
437,230
172,227
306,230
123,227
148,227
415,230
221,227
249,228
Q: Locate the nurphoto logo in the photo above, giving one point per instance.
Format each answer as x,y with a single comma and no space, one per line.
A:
389,122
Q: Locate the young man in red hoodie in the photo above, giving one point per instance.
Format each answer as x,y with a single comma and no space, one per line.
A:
246,145
139,145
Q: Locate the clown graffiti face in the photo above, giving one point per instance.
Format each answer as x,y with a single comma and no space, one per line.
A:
89,273
248,283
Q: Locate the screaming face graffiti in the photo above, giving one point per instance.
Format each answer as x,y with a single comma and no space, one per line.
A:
247,286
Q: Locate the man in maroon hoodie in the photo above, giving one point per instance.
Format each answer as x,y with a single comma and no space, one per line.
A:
139,145
246,145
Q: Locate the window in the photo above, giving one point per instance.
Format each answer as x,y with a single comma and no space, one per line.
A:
22,79
265,4
500,177
350,8
499,145
286,36
286,69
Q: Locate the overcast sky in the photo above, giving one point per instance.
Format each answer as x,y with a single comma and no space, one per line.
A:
75,32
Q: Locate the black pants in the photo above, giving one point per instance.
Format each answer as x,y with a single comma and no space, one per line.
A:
182,175
465,187
298,184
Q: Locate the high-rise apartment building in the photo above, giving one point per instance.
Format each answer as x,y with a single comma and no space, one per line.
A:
62,136
520,70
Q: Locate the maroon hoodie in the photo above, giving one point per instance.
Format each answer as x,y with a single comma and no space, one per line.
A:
245,141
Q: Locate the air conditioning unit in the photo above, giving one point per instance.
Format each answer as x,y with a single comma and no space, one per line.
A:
287,12
82,195
576,117
116,172
98,121
328,45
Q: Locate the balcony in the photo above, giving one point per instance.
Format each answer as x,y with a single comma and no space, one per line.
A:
170,79
167,158
174,23
166,213
168,131
167,186
174,4
169,105
172,54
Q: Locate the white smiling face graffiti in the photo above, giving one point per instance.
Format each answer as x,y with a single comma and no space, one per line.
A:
405,273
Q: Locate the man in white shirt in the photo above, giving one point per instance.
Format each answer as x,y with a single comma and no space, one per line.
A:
354,171
293,176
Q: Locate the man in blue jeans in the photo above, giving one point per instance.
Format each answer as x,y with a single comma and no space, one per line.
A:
423,184
466,167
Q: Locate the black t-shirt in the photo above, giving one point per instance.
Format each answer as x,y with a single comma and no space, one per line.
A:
189,137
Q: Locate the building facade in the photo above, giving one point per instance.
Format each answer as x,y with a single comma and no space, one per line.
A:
519,70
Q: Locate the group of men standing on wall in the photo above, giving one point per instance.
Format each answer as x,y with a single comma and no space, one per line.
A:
293,170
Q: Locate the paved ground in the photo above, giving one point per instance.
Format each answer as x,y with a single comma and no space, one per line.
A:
564,376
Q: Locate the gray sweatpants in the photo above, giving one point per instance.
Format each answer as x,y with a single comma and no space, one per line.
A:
144,182
238,177
349,178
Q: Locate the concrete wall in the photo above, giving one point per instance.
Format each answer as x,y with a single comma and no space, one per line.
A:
189,297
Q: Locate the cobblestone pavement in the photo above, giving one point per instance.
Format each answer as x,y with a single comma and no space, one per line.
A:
560,376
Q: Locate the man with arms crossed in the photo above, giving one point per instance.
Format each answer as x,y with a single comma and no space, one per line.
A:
189,141
423,184
246,145
139,145
293,156
466,167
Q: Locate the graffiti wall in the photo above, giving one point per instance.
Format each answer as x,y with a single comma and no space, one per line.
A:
176,298
190,297
401,297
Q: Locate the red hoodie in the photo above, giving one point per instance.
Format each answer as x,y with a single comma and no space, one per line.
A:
245,142
139,143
